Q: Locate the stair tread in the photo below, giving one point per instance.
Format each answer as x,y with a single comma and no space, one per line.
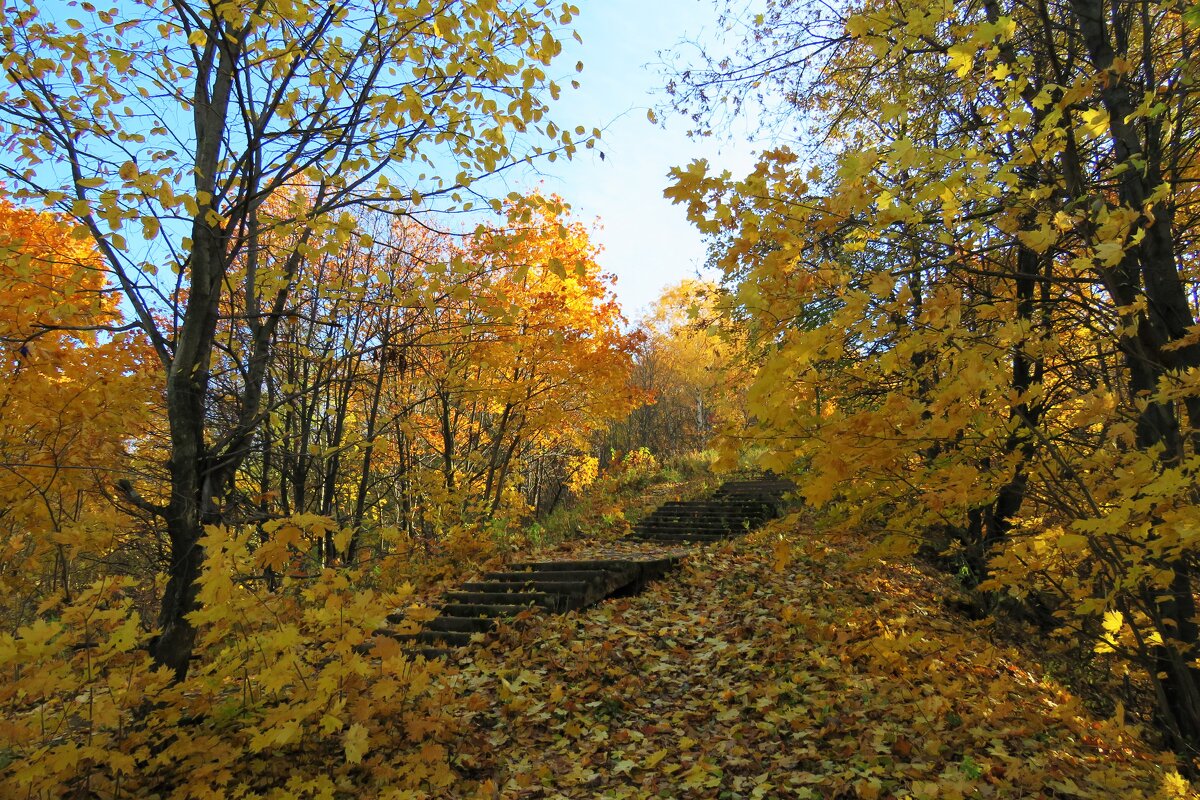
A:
463,624
543,587
505,598
599,564
677,523
454,638
431,653
556,575
484,611
653,536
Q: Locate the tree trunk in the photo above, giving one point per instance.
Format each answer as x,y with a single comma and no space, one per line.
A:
1149,269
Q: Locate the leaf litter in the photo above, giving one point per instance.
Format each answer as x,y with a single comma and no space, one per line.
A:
777,666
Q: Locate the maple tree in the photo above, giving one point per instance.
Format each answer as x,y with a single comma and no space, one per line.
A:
425,383
530,340
689,373
70,407
327,107
979,299
332,361
575,367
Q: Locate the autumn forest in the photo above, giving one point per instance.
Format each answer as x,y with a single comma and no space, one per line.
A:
292,352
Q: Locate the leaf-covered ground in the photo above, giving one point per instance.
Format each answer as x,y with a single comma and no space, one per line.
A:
760,670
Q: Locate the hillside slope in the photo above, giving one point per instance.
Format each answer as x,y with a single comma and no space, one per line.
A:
768,670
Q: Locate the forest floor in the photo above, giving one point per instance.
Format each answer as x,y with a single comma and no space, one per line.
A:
775,666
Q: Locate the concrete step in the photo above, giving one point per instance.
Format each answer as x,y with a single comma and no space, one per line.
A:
710,522
688,531
541,586
710,518
722,507
434,638
443,638
430,653
605,565
461,624
652,536
555,575
751,490
685,534
729,504
693,524
398,617
757,511
502,598
759,477
555,586
755,507
492,611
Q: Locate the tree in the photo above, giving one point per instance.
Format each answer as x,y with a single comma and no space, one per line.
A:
528,357
1000,243
181,119
70,396
689,374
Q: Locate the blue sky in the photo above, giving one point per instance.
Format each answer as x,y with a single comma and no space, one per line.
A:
647,241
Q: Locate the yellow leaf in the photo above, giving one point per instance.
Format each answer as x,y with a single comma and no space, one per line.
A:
962,58
149,228
355,742
341,539
781,552
289,534
1072,542
1095,121
1110,253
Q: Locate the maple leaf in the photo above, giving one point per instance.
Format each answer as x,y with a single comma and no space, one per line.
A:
355,742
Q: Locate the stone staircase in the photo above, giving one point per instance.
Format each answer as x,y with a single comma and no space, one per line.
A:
736,507
557,587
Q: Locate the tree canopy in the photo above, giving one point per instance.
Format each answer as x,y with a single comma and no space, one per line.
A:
976,312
